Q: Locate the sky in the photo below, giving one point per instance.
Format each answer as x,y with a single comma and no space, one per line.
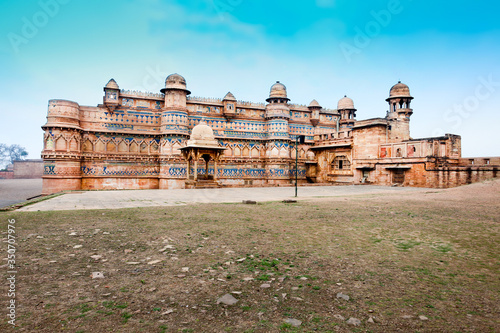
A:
447,53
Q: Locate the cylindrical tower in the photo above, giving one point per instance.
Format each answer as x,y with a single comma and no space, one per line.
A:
174,129
62,147
399,112
278,137
174,118
345,107
278,113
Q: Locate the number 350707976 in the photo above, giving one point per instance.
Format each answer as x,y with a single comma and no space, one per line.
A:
11,240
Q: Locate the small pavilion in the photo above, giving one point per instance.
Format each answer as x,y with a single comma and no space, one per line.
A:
202,145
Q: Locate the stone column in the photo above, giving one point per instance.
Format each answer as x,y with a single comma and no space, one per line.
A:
215,169
196,157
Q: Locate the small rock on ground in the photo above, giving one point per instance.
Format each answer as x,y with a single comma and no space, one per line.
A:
154,262
423,318
250,202
265,285
354,321
343,296
227,299
293,322
97,275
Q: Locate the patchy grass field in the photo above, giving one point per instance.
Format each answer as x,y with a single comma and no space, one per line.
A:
424,262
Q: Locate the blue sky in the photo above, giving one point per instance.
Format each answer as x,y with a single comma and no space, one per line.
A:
448,53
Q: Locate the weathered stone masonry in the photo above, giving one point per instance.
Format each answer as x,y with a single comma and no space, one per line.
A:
135,140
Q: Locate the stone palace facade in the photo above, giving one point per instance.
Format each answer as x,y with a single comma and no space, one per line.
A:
168,140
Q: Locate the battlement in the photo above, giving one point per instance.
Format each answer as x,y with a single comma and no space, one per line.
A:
141,94
204,99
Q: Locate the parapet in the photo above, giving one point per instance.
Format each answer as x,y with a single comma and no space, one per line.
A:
63,113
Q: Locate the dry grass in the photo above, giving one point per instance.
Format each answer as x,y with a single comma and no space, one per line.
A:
434,254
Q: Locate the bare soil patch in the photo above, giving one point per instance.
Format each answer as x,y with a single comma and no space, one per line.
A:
418,262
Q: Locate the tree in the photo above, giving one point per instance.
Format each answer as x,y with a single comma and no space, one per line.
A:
9,154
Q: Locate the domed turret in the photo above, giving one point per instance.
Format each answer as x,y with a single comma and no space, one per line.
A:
175,82
314,104
174,118
278,93
399,98
345,103
315,108
399,111
400,90
345,107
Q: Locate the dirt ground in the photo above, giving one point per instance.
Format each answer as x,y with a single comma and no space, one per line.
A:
412,262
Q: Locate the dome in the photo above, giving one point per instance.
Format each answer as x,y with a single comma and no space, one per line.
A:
229,97
112,85
345,103
202,135
400,90
175,79
175,82
278,90
202,132
314,104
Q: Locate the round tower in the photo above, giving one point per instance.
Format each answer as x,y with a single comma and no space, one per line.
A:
399,100
62,147
174,129
278,112
278,144
345,107
174,114
399,111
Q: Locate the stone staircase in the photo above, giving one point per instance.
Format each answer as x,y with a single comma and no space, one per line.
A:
203,182
206,184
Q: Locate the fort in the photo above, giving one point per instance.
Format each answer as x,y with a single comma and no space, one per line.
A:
167,140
